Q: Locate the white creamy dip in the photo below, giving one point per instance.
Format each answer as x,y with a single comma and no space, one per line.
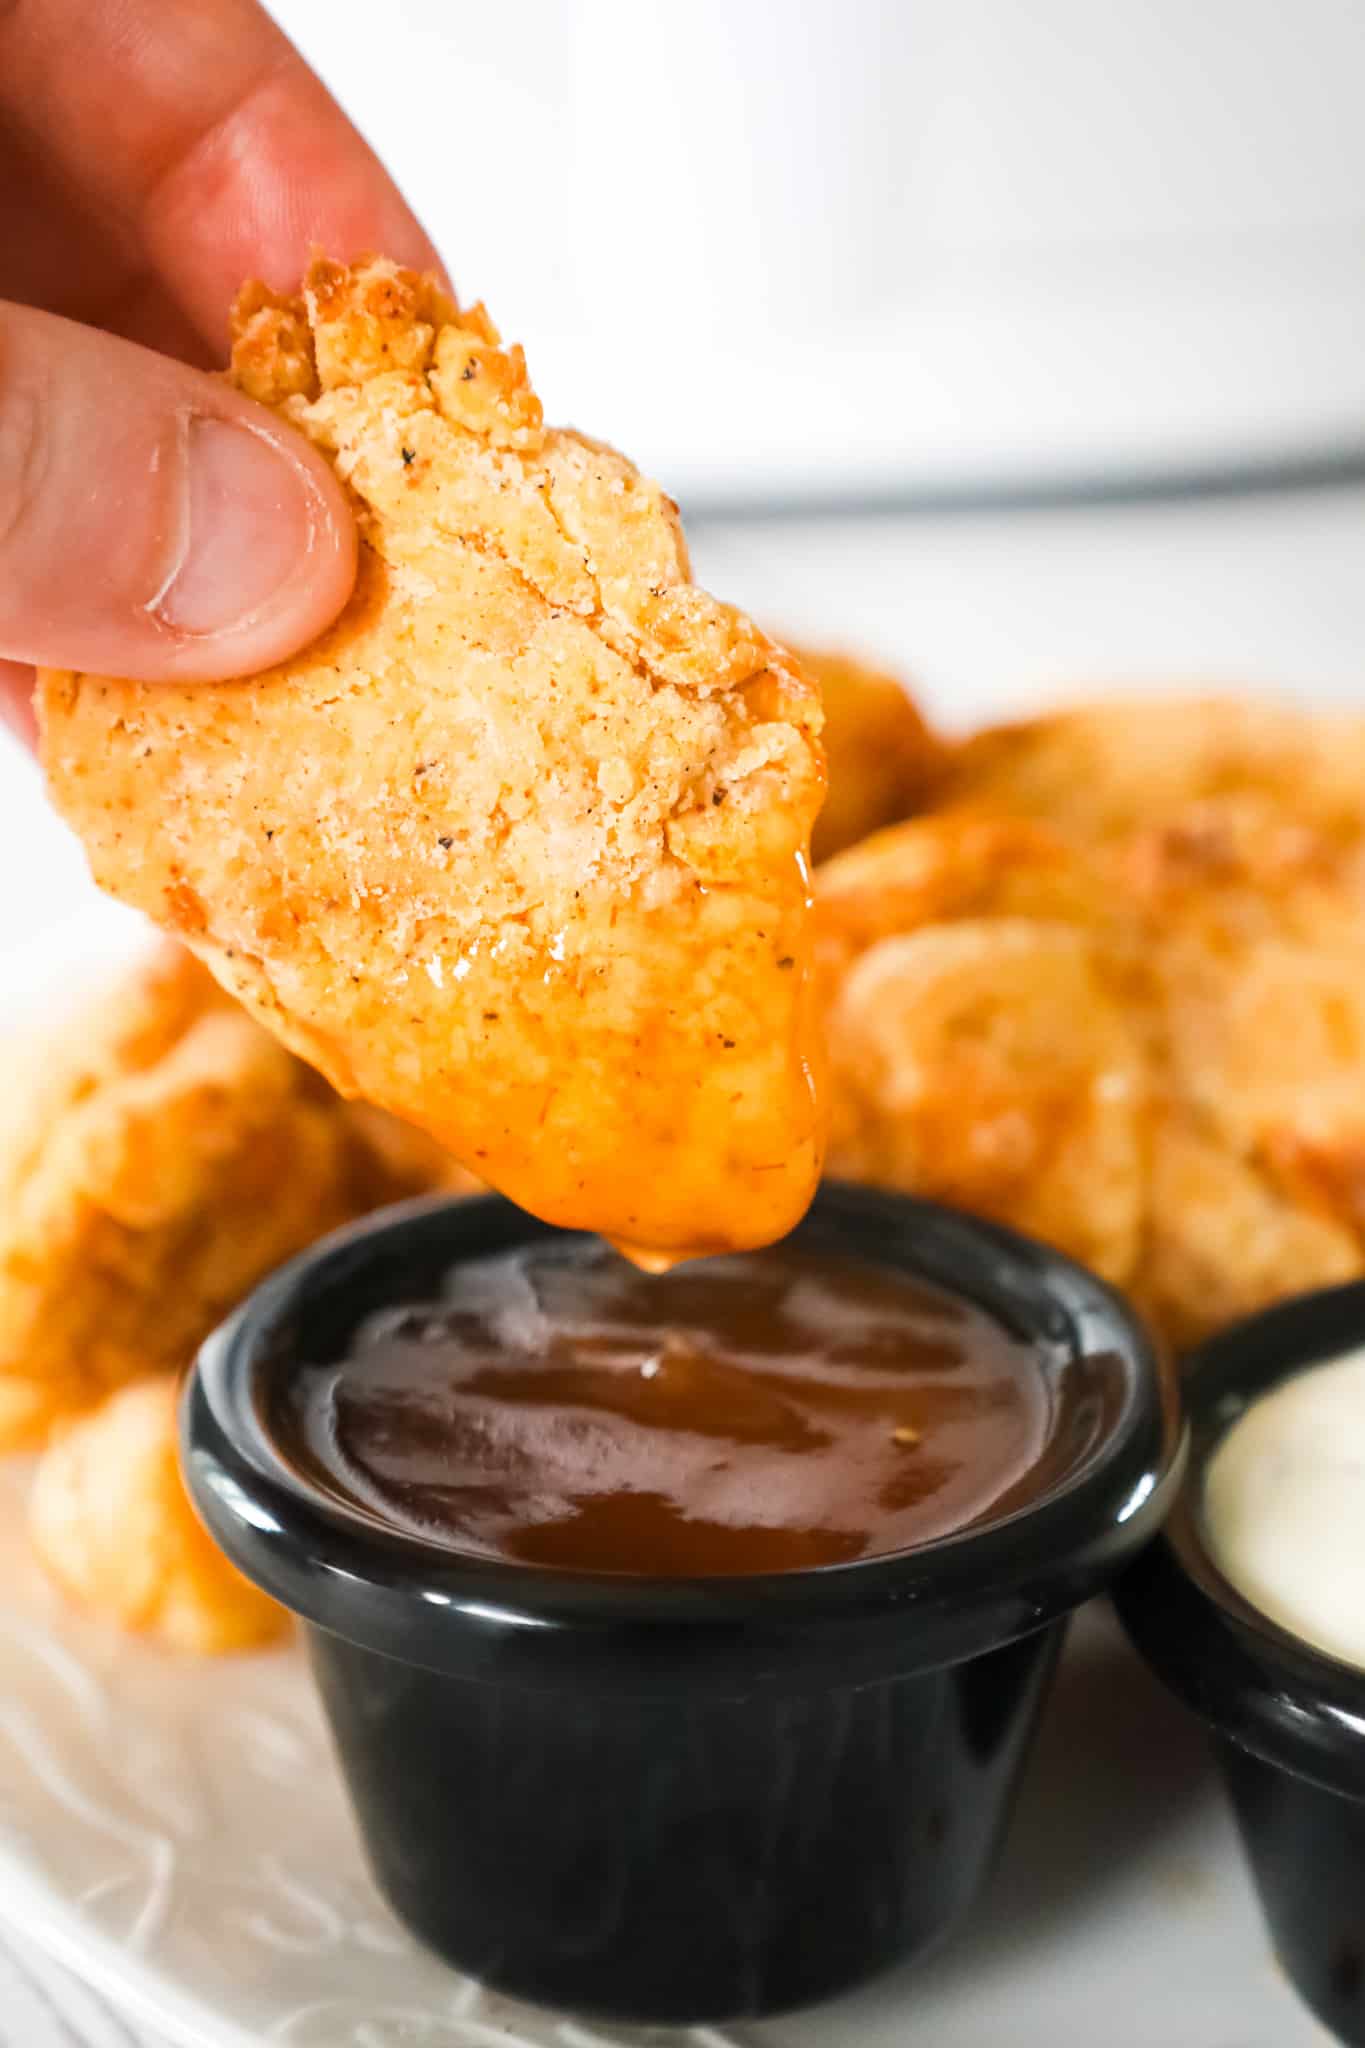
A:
1284,1505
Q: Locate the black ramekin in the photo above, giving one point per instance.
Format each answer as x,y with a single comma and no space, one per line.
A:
1288,1721
689,1799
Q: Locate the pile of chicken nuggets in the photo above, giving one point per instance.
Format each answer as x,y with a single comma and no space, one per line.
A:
158,1156
1106,984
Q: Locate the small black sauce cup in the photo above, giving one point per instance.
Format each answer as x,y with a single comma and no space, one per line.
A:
690,1799
1287,1720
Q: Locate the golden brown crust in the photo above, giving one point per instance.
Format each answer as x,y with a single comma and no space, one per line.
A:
1222,1241
985,1063
883,758
112,1523
516,849
1135,763
952,864
1111,992
163,1153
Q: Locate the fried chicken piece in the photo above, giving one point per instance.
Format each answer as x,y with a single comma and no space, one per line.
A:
111,1521
1221,1242
985,1063
1104,770
163,1154
1228,872
972,969
1267,1045
1195,871
394,1160
948,865
883,758
517,849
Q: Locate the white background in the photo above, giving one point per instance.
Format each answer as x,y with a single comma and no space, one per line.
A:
788,244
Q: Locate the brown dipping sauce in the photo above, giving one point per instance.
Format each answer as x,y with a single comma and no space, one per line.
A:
757,1413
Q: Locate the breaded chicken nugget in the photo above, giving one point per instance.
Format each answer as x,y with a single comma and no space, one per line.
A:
985,1063
1208,861
1227,871
948,865
1110,768
167,1153
517,849
1220,1241
111,1521
883,759
395,1160
1268,1047
121,1024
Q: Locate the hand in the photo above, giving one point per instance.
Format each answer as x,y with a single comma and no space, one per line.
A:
153,153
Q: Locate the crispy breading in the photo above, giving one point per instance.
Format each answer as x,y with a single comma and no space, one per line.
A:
1224,872
111,1521
517,849
1132,763
1220,1241
1208,859
985,1063
948,865
1267,1045
164,1152
394,1160
883,759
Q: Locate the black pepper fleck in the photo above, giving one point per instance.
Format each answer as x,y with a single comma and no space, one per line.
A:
786,961
445,841
409,456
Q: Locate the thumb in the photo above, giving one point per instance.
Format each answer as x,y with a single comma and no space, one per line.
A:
153,522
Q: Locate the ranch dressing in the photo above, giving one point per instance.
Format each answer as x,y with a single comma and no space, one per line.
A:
1284,1506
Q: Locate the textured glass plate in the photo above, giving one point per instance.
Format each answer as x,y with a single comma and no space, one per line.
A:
175,1831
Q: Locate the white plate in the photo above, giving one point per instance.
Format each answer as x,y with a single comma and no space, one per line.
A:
176,1832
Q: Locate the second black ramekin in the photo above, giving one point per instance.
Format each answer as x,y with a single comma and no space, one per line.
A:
1288,1721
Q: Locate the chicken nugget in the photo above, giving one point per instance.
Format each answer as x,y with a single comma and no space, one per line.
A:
1268,1048
1224,872
985,1063
1221,1241
948,865
395,1160
111,1521
517,850
883,759
1108,768
168,1154
118,1024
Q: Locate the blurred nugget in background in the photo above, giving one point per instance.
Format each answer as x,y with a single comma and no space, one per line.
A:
161,1153
1110,988
881,755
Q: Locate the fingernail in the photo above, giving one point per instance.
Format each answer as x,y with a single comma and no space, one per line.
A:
16,701
250,518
